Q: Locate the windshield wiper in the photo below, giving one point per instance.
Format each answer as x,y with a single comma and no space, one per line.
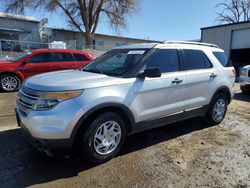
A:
92,71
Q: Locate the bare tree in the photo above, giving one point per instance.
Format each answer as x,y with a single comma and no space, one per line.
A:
234,11
82,15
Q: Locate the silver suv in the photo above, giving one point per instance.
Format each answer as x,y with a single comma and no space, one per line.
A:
128,89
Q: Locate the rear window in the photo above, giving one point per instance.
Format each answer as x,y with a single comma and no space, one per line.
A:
222,58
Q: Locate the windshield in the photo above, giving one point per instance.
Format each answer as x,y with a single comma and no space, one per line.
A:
116,62
18,58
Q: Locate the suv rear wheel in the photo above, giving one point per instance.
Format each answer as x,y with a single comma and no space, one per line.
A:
217,109
10,82
104,138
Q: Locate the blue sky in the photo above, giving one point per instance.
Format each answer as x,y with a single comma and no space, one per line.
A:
156,19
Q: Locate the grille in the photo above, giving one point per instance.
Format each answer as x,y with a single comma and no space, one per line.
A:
26,98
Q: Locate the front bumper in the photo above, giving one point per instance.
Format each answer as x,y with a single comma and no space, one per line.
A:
48,147
50,131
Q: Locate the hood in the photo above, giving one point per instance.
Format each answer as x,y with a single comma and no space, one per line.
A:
2,61
5,63
68,80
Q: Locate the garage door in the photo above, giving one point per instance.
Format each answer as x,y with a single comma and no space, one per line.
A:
241,39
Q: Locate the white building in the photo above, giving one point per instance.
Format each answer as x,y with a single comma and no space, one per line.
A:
18,27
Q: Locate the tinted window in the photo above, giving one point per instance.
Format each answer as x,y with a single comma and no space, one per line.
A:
165,59
222,58
195,59
42,57
63,57
80,57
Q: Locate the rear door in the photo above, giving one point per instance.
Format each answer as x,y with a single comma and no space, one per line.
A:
36,64
200,77
63,61
163,96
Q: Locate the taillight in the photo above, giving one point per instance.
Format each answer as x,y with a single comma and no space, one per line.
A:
234,72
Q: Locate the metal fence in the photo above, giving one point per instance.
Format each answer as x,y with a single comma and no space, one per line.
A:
13,48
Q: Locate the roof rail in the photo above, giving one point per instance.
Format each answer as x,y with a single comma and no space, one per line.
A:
193,43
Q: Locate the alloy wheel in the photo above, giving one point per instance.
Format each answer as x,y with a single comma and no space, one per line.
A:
107,137
219,110
9,83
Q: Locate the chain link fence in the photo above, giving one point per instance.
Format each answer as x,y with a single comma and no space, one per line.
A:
12,48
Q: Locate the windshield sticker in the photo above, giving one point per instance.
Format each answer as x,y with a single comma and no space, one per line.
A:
137,52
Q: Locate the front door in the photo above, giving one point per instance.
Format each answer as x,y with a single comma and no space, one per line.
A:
37,64
163,96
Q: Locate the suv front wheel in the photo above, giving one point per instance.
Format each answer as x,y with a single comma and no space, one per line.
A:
217,109
104,138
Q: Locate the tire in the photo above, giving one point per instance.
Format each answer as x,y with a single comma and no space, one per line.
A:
217,109
10,83
104,138
244,90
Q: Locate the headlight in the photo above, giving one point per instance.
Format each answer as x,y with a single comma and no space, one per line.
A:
48,100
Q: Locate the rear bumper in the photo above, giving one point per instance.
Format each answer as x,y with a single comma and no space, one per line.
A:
49,147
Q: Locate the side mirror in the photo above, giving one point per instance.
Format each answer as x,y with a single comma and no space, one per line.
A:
25,62
151,72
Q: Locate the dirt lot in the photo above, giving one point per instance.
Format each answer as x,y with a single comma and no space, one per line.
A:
186,154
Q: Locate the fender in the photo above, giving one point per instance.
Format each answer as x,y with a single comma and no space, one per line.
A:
225,89
20,75
90,112
13,71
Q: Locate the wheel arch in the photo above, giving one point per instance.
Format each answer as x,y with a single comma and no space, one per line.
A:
12,73
83,122
223,90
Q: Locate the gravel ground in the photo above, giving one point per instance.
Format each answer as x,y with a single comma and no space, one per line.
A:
185,154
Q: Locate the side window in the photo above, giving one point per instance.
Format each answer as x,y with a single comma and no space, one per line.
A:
195,59
42,57
63,57
165,59
80,57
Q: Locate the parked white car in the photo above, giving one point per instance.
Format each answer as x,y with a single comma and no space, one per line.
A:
245,79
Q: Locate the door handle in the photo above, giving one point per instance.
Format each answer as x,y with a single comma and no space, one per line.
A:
177,81
213,75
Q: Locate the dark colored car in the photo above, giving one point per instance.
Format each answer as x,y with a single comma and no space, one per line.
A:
5,45
13,72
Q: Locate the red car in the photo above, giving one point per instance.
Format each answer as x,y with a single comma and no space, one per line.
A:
15,71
